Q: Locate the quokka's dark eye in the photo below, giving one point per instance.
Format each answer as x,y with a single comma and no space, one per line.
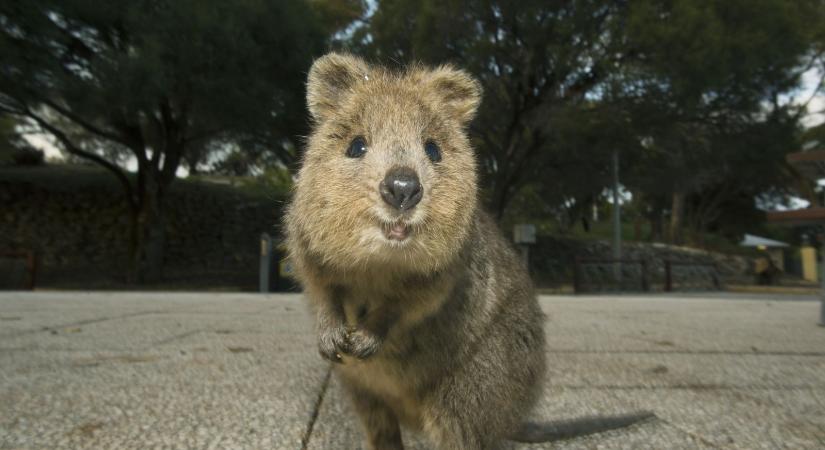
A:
432,150
357,148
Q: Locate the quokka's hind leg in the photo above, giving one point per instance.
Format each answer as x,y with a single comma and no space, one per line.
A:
379,422
469,416
481,403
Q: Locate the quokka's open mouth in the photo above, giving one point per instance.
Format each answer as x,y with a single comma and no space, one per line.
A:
397,231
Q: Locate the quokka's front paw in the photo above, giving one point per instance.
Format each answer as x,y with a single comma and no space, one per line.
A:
332,343
362,344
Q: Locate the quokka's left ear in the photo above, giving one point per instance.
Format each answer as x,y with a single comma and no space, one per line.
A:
330,80
458,90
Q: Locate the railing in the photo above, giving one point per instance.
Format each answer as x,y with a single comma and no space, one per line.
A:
610,275
709,268
636,275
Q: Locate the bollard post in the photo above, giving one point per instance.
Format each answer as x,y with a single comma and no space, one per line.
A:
668,276
266,260
31,267
525,255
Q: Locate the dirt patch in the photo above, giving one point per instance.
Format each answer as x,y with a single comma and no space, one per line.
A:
239,349
659,369
88,429
97,360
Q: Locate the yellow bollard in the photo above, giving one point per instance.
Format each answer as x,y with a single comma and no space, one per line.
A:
809,265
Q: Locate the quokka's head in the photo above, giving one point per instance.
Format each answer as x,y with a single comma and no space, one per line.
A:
389,176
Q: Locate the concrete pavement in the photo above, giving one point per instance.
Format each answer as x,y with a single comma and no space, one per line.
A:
179,371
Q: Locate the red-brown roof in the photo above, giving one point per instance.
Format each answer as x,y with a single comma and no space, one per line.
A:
809,216
809,163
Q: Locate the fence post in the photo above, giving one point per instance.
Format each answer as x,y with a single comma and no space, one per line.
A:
31,265
668,276
576,275
266,260
717,280
645,282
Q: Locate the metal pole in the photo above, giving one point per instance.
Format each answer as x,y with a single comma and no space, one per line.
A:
266,256
617,225
821,262
525,255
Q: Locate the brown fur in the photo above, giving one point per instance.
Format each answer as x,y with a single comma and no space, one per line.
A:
440,332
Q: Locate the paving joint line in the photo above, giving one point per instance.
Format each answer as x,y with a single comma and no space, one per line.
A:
691,387
316,409
686,352
691,435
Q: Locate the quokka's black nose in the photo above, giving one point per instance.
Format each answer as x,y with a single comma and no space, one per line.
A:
401,189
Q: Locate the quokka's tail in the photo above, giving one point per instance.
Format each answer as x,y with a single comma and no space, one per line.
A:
532,432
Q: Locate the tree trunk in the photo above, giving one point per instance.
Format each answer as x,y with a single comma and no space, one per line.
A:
148,236
500,200
656,227
677,213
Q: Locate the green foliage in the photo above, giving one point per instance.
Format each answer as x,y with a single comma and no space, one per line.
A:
131,68
274,182
160,81
688,91
721,51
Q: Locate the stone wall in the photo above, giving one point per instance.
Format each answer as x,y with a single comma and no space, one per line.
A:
79,231
551,260
77,223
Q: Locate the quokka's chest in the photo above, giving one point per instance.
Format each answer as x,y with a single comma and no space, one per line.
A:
410,302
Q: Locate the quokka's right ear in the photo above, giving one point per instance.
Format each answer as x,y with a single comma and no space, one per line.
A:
330,78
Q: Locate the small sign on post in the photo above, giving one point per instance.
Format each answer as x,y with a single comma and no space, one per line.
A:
266,261
524,235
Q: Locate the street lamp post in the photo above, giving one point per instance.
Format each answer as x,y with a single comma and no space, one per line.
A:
822,283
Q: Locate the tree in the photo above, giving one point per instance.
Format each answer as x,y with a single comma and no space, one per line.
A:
158,81
568,82
708,83
8,136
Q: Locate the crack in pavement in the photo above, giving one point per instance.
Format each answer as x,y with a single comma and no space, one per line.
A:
78,323
316,409
687,352
174,338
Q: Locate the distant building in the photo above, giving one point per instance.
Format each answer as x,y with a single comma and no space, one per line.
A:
774,249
